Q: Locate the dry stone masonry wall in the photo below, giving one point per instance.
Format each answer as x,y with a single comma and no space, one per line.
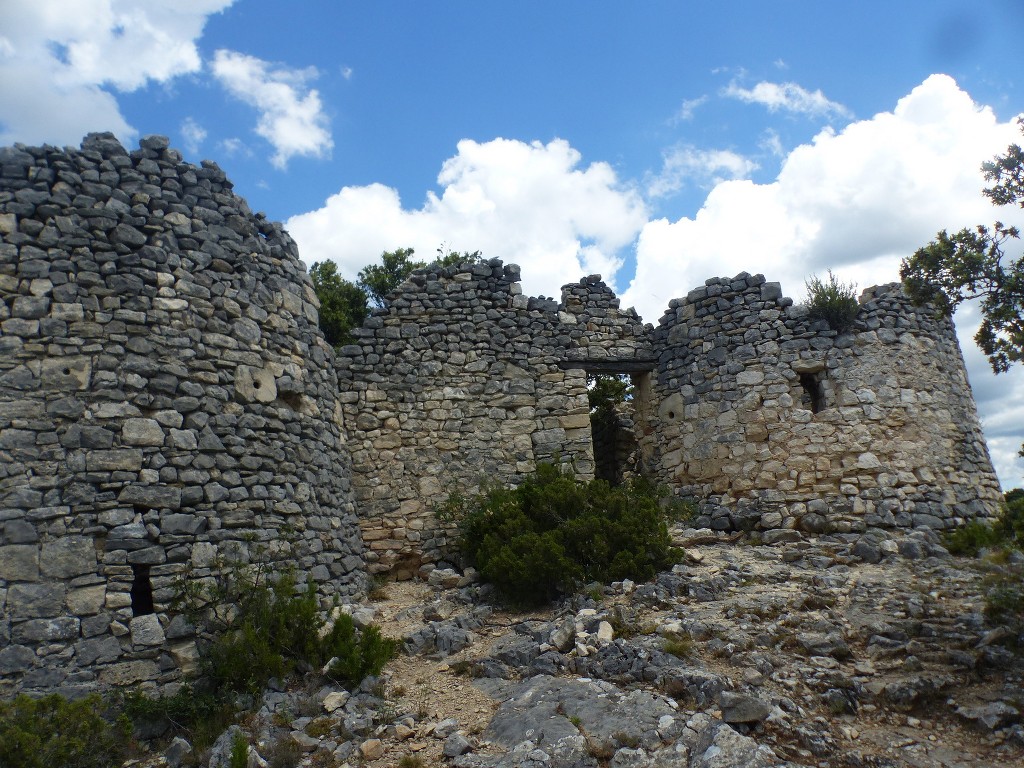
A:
463,378
773,420
167,403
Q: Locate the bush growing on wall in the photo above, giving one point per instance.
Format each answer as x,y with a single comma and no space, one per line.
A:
553,533
832,301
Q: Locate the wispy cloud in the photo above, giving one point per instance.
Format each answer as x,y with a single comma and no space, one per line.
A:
192,134
291,114
705,167
688,108
787,97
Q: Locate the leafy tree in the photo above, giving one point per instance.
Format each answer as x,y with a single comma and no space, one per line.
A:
973,265
343,304
378,280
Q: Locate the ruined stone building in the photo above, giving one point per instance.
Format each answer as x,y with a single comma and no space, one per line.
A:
168,404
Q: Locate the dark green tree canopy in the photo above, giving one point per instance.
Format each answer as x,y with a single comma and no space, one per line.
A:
378,280
342,303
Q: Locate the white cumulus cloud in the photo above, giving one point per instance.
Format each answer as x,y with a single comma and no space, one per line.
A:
291,114
531,204
58,58
788,97
856,201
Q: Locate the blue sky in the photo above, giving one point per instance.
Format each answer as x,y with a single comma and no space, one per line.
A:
658,143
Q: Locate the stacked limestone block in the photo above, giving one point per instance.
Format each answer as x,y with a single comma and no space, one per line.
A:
167,402
783,422
462,378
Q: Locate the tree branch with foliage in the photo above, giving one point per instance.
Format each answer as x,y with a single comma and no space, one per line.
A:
975,265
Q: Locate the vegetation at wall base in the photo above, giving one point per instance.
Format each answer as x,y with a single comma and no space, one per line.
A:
53,732
832,301
1004,587
553,533
257,628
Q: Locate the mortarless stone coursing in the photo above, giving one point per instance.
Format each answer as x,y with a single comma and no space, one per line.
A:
765,418
167,401
463,378
773,420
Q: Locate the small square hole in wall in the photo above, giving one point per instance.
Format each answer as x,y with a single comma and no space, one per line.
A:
813,385
142,591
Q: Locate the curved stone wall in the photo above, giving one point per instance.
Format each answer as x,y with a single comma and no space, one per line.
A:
776,421
167,403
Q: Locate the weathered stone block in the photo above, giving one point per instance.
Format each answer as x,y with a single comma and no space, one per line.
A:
146,630
129,672
68,557
30,601
45,630
19,562
87,601
97,650
151,496
142,432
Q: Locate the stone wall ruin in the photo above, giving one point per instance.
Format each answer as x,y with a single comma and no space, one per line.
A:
168,404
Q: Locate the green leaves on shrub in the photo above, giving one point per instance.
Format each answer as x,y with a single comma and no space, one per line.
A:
354,657
1004,589
52,731
553,533
832,301
274,629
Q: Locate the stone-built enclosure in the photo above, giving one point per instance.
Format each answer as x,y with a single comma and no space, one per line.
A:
168,405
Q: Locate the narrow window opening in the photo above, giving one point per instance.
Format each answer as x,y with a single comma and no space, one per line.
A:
814,391
142,591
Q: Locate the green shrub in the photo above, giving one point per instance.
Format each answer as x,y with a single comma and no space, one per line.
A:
1004,590
356,657
201,714
273,628
553,533
53,732
971,537
1006,531
832,301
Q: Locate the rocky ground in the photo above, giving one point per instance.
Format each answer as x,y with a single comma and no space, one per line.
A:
845,650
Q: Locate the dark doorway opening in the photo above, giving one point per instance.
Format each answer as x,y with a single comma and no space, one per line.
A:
617,407
142,591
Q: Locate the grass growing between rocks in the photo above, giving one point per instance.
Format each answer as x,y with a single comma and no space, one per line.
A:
554,533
